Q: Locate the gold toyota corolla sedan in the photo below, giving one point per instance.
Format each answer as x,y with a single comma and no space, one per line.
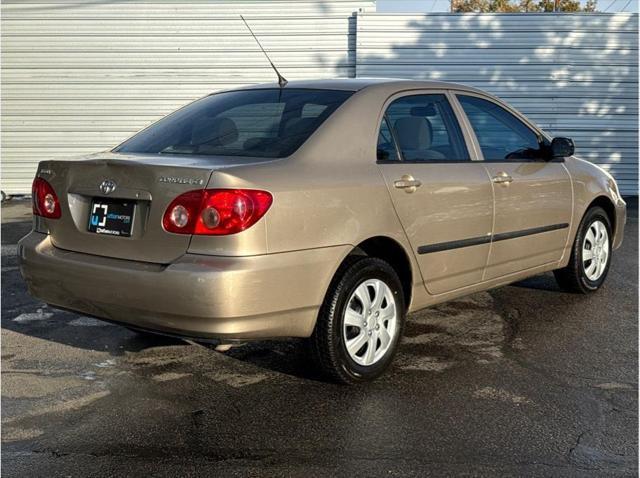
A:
322,209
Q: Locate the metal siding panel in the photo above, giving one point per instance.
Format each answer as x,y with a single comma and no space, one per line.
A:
79,77
573,74
192,9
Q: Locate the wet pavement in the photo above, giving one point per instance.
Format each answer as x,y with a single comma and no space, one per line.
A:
522,380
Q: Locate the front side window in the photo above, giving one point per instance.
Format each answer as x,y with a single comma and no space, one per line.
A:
501,135
268,123
426,129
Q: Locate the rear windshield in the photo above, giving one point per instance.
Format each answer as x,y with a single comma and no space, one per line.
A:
269,123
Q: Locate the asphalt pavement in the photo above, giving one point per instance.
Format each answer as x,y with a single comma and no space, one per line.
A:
524,380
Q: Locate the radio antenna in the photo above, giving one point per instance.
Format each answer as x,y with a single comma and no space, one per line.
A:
281,79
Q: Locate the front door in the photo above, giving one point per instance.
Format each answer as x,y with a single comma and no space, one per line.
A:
533,195
444,199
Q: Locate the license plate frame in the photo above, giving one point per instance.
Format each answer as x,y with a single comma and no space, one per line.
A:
112,217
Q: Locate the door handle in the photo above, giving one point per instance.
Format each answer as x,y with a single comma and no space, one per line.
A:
408,183
502,178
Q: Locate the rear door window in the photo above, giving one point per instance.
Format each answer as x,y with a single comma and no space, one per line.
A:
270,123
425,129
386,145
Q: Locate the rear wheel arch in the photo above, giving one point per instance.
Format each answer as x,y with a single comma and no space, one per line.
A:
344,345
392,252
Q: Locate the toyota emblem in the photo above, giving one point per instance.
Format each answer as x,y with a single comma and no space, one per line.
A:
107,186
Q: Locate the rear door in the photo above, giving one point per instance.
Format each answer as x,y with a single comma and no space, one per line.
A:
533,195
443,198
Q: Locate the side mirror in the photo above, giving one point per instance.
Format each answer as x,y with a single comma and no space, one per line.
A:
562,147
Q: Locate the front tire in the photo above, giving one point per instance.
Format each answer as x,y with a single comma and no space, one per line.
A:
360,322
590,256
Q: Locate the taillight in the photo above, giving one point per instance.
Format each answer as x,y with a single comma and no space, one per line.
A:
216,212
45,200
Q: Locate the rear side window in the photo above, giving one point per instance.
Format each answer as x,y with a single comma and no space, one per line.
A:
426,129
269,123
501,135
386,146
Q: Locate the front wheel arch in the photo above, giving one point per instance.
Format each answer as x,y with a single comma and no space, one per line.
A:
573,277
607,204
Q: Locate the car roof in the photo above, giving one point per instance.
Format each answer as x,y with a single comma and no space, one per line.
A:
389,86
357,84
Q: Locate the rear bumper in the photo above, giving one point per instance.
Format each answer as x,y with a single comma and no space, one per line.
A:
213,297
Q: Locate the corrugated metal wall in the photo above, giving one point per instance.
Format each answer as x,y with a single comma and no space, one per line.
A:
574,74
80,76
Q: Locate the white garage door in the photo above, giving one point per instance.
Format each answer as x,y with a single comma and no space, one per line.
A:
81,76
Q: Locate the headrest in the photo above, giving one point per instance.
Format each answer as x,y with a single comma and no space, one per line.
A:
429,110
296,126
414,132
214,131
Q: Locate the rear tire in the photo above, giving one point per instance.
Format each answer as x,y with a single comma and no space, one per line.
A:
360,322
590,255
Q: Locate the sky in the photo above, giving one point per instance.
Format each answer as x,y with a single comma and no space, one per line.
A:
388,6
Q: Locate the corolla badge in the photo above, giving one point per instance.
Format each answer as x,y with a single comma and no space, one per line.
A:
175,180
107,186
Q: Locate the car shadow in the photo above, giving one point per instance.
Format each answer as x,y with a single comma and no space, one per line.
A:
77,331
541,282
287,356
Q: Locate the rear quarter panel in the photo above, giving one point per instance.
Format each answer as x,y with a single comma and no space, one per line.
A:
330,192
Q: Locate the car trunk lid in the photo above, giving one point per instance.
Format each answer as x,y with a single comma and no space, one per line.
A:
149,183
